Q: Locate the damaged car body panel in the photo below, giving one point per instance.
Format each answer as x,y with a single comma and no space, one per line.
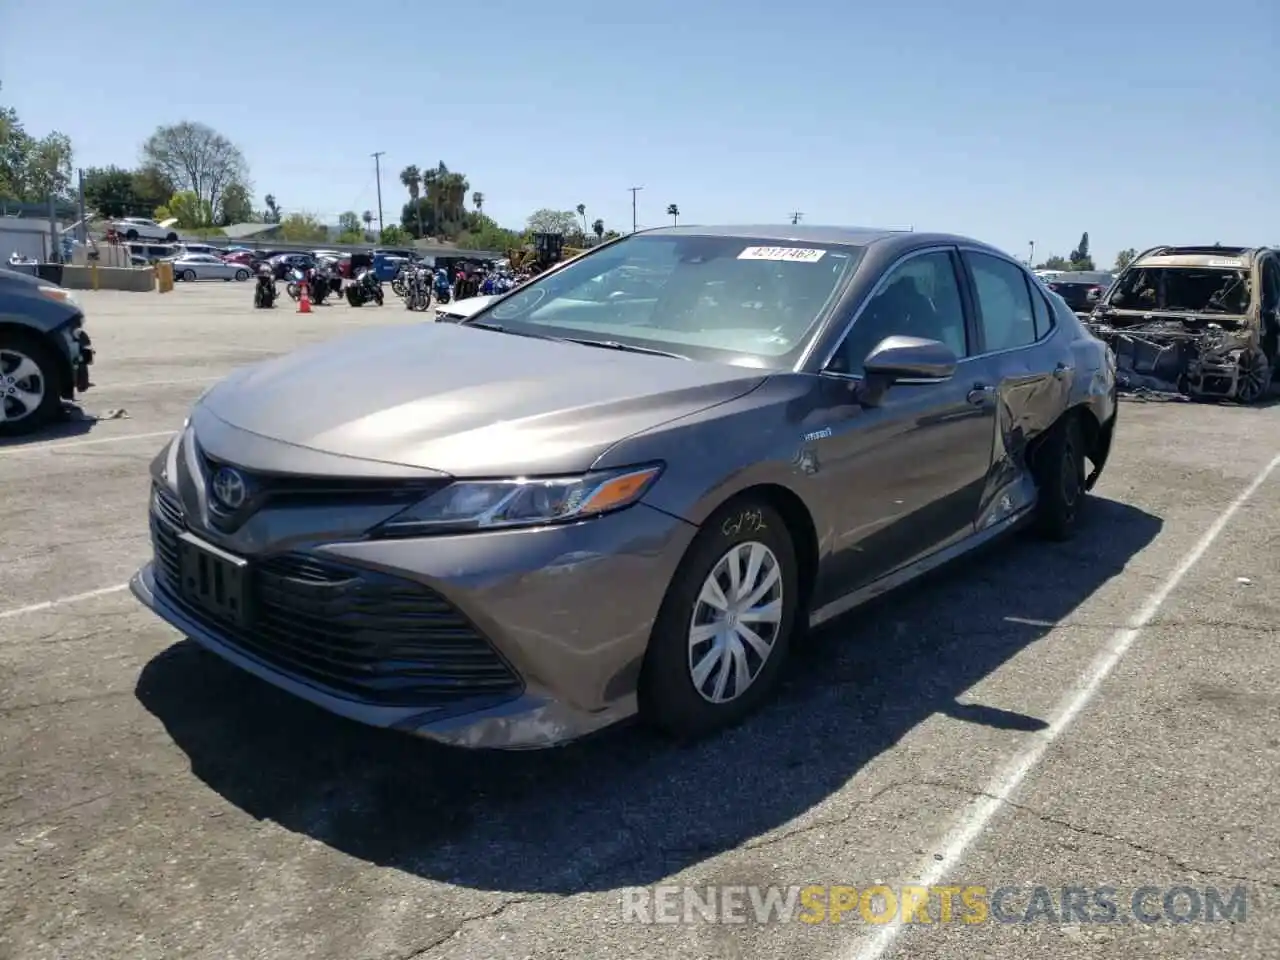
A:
1199,321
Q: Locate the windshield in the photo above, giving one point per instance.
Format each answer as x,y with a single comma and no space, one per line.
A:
1186,289
710,298
1098,279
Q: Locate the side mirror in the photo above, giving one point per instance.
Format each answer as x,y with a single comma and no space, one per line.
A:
910,358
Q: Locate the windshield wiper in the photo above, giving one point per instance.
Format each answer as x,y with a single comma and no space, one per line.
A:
629,348
499,328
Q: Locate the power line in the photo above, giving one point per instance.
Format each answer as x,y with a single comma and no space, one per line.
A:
795,217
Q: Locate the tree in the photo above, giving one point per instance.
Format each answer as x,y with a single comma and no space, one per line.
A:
349,222
483,233
582,212
477,201
302,228
394,236
272,214
191,212
1124,258
547,220
32,169
1054,262
1079,257
109,192
673,211
597,227
237,207
367,217
611,235
411,177
197,158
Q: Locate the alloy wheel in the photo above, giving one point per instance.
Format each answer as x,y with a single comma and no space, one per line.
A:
735,623
22,385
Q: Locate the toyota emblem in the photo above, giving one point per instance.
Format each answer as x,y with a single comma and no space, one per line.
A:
229,488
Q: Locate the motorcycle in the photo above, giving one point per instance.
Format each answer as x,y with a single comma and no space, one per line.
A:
364,288
444,293
318,285
398,285
294,287
417,291
264,294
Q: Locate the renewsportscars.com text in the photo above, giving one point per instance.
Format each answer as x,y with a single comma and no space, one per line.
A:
967,904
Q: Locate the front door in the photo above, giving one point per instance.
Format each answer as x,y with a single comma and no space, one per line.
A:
905,478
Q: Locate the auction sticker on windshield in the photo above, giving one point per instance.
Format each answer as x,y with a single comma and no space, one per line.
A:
793,254
1226,263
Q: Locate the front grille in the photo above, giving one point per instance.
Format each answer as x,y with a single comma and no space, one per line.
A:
367,635
314,491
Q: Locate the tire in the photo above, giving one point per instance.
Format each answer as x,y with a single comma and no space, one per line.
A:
171,238
1059,473
353,298
242,275
189,276
377,295
18,350
1256,374
131,235
670,697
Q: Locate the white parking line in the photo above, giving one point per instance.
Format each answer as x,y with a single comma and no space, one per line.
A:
50,604
39,447
977,815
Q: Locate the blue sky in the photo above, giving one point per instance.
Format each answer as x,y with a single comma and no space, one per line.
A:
994,118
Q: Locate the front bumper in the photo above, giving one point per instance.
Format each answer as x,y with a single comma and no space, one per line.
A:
568,609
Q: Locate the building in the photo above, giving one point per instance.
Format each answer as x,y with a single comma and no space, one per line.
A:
29,237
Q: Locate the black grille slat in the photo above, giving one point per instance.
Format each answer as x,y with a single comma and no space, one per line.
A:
368,635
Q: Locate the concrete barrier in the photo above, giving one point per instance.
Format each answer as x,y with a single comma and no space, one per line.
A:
132,279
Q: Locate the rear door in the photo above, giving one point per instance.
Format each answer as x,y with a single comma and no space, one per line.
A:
1029,369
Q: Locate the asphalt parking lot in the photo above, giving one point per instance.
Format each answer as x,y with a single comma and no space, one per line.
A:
1102,713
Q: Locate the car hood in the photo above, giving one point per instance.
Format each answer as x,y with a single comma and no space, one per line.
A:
464,401
468,307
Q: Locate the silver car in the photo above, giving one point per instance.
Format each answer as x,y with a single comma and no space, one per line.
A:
205,266
627,484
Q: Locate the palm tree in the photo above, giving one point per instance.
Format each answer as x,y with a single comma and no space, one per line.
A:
411,177
582,212
477,201
673,212
431,193
598,229
367,217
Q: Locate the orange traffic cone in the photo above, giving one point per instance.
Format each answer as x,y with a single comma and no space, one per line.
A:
304,301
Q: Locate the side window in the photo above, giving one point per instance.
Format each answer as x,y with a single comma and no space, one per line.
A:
919,298
1271,284
1004,302
1039,310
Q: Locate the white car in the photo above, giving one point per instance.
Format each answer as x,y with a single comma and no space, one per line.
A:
204,266
458,310
140,228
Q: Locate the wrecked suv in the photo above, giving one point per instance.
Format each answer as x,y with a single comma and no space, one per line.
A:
1200,321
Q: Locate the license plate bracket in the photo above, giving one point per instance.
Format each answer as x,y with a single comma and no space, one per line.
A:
214,581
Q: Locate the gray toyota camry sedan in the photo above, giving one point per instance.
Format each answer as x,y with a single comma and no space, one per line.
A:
627,485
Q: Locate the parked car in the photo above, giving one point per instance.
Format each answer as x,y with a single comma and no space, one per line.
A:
140,228
571,506
458,310
282,265
205,266
1203,321
1082,289
45,352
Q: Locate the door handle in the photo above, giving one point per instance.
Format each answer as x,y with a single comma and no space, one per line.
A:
1061,370
980,394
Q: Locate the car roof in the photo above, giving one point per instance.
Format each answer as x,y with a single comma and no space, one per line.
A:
1199,256
902,240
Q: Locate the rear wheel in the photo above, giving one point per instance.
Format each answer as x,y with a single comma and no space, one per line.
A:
1059,471
30,396
242,275
725,625
189,276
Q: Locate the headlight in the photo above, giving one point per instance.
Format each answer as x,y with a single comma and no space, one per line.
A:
58,293
492,504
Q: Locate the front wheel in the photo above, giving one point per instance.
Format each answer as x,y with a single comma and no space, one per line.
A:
29,378
377,296
242,275
189,276
1255,374
725,625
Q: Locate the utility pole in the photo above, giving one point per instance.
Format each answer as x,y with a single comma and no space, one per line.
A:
795,217
1031,253
377,167
84,227
634,191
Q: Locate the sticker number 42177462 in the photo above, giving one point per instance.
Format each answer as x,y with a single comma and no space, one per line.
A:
792,254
